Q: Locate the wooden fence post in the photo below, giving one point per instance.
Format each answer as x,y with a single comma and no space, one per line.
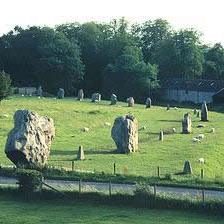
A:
158,172
202,174
110,188
72,165
80,186
114,168
203,196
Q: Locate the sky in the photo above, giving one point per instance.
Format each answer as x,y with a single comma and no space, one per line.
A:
204,15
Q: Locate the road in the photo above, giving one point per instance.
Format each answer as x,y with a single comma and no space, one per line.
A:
122,188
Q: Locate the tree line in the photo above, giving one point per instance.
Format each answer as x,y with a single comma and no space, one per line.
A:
113,57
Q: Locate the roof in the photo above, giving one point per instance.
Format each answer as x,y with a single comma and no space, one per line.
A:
194,85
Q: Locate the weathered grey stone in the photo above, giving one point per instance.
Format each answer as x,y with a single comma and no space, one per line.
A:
198,114
187,167
96,97
130,101
204,112
125,134
80,95
80,154
39,91
148,103
61,93
161,136
195,111
186,124
29,142
167,107
113,99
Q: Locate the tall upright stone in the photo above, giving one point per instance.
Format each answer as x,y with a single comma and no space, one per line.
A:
40,91
161,135
80,95
80,154
28,143
96,97
187,167
113,99
125,134
167,107
61,93
130,101
148,103
186,124
204,112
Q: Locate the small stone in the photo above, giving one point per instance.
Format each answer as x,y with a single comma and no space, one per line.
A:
213,130
187,168
61,93
113,99
195,111
107,124
204,112
167,107
80,154
200,126
161,136
4,116
130,101
201,136
174,130
148,103
80,95
186,124
96,97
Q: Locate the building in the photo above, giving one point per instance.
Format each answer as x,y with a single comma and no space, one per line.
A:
195,91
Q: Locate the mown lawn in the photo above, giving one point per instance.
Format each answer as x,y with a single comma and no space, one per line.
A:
14,210
70,116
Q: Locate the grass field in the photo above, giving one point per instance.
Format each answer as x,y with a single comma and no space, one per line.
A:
70,116
15,210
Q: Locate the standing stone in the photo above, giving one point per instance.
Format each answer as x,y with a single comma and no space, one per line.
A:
148,103
167,107
161,136
198,113
187,167
195,111
29,142
186,124
125,134
113,99
96,97
130,101
80,155
80,95
39,91
61,93
204,112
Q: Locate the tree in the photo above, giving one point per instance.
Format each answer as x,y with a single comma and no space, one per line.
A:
129,75
42,56
214,62
5,85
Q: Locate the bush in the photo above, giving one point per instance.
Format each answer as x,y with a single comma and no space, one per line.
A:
29,180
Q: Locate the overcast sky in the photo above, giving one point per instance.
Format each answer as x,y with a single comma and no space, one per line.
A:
205,15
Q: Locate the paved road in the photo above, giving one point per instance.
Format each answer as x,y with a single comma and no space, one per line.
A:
126,188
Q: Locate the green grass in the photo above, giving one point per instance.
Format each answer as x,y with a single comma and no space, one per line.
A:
70,116
16,210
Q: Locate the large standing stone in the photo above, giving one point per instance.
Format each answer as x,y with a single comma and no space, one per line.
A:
29,142
187,167
161,136
113,99
186,124
39,91
80,155
61,93
125,134
148,103
80,95
96,97
204,112
130,101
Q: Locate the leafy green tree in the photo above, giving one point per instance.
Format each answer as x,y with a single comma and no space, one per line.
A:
214,62
129,75
5,85
42,56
